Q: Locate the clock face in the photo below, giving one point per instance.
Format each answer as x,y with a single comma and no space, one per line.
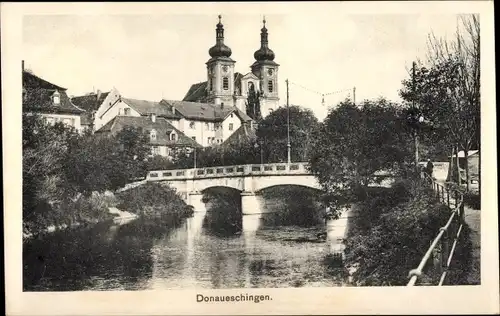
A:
270,72
224,68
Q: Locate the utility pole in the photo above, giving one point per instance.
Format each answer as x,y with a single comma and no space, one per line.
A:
414,108
289,160
354,95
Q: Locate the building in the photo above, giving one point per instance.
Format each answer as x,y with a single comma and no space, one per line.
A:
473,164
230,88
50,101
164,138
205,123
211,110
90,103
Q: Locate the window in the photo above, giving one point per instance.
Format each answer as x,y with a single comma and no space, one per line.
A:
231,114
230,126
191,125
155,150
152,135
225,83
119,111
270,85
210,84
126,111
209,140
207,126
250,86
173,136
56,97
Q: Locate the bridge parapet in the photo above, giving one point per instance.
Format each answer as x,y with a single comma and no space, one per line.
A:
232,171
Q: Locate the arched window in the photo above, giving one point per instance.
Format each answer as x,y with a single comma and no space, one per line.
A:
270,86
210,84
225,83
250,86
152,134
173,136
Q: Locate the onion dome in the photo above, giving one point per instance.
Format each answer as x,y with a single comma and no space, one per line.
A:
219,50
264,52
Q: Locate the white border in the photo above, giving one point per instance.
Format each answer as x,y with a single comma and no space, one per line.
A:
424,300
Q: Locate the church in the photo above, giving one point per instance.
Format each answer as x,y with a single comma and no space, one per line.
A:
226,87
210,112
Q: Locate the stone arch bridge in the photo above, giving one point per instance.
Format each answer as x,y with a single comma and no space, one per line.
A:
248,179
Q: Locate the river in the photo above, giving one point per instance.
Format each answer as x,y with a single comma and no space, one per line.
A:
290,245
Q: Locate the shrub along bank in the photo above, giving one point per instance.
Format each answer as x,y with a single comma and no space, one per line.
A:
392,233
153,200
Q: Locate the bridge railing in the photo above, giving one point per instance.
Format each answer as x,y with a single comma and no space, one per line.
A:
224,171
439,253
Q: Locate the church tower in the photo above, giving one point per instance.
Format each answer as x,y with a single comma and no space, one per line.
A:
220,71
266,70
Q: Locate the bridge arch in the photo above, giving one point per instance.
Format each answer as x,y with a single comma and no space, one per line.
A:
201,185
308,181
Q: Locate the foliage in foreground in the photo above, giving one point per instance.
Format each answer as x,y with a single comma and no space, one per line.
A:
153,199
392,234
353,144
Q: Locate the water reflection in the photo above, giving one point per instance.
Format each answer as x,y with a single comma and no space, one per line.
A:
217,249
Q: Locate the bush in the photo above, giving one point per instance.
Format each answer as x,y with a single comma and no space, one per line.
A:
395,242
153,199
473,200
93,209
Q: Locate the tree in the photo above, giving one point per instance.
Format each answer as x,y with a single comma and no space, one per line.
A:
352,144
44,150
272,134
100,163
448,90
253,103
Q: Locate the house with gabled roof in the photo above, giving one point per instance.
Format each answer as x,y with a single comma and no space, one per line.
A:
205,123
90,103
49,100
164,138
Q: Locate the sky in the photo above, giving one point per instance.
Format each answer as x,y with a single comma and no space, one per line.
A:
158,56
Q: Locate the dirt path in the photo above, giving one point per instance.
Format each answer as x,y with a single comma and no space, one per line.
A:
473,219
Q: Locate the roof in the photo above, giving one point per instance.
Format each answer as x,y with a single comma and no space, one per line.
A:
162,126
197,92
245,133
90,102
33,81
203,111
147,107
38,95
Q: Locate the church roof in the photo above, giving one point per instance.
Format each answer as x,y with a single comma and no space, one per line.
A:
162,127
197,92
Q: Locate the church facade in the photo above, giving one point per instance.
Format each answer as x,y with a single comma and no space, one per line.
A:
226,87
